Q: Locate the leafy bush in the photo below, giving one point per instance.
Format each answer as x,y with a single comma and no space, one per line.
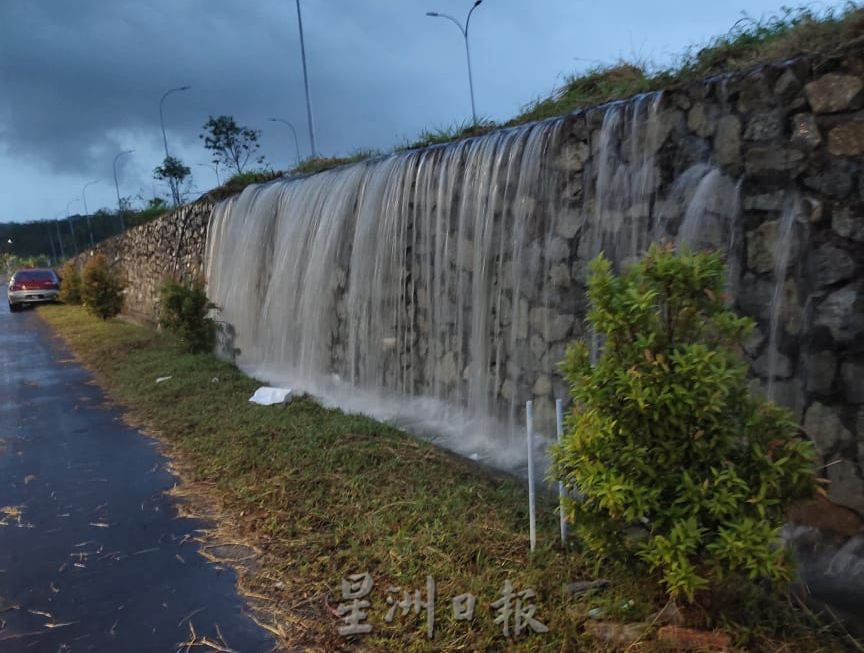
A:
679,467
183,312
70,286
101,288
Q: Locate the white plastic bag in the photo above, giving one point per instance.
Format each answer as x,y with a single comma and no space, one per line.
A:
267,396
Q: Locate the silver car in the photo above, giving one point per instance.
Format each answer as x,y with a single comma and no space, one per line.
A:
33,286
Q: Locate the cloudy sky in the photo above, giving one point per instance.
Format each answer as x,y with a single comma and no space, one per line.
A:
81,81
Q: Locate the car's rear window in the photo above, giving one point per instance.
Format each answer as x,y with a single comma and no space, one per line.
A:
34,275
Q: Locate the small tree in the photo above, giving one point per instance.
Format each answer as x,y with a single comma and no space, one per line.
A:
678,465
101,288
70,286
174,173
183,311
231,144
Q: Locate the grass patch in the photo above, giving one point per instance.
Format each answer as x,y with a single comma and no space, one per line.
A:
437,136
324,494
239,181
320,164
750,42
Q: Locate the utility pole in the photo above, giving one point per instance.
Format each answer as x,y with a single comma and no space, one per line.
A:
71,228
53,249
117,187
306,84
60,239
86,212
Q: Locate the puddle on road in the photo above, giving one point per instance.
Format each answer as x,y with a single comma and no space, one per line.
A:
13,516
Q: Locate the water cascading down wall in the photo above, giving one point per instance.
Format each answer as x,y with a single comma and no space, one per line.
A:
439,288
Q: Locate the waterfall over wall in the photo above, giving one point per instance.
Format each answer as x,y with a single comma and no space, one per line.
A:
438,288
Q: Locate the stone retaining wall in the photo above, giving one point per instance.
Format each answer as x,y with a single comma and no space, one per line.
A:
172,245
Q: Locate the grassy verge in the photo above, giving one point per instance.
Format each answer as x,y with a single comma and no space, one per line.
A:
750,42
320,164
322,494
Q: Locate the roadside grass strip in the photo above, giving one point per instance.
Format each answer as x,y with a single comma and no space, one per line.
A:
320,496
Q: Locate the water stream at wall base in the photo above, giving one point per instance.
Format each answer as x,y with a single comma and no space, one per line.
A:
781,253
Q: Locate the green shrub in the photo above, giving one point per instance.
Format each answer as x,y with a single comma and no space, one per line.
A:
682,472
70,286
184,312
101,288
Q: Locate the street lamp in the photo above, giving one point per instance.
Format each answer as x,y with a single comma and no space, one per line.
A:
214,168
69,220
117,187
464,31
86,212
162,115
51,242
59,236
293,131
306,83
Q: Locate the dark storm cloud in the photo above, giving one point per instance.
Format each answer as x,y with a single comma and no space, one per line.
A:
76,73
76,76
79,77
80,80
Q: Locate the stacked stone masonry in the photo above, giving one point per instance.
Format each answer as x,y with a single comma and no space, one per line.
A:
172,246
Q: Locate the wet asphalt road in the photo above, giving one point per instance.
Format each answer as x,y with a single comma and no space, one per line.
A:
92,555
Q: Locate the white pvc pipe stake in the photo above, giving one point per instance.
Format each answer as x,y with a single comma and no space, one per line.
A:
559,422
532,511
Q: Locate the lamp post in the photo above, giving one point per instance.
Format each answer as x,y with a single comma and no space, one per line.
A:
86,212
464,31
117,188
162,115
214,168
53,249
69,220
293,131
306,83
59,237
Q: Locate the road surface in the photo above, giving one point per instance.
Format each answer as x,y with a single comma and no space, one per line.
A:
92,554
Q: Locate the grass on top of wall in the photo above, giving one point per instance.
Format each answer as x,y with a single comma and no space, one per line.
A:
750,41
323,494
